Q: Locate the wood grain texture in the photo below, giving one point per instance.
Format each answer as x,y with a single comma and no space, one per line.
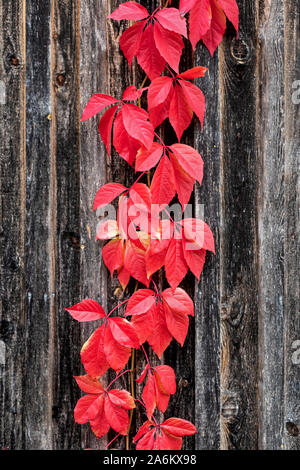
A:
12,202
271,222
238,264
292,227
66,143
238,374
207,292
93,79
39,256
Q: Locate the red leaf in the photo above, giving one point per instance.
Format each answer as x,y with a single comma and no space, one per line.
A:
140,196
178,301
161,337
195,260
195,72
124,144
96,104
121,398
161,112
231,10
189,159
200,21
166,436
148,56
107,229
137,125
130,41
149,395
156,255
166,380
107,194
184,182
180,113
87,408
215,33
179,427
132,94
177,324
186,5
163,182
89,385
199,234
105,127
147,159
92,354
129,11
169,45
140,302
170,19
123,332
175,264
123,277
135,263
116,354
112,254
99,425
159,91
116,416
87,310
143,325
195,98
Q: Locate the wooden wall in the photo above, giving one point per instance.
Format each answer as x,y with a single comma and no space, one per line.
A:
239,372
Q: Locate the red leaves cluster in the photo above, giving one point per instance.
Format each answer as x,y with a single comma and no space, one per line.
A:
104,409
155,39
141,241
157,318
168,435
207,20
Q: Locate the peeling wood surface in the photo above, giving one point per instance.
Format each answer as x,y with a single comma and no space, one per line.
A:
238,375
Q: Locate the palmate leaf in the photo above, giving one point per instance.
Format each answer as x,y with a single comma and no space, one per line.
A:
165,436
178,99
208,20
103,409
153,42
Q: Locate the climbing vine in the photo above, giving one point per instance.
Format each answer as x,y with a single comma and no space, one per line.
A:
144,239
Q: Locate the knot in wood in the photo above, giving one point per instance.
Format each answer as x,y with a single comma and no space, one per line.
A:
240,51
292,429
14,61
60,79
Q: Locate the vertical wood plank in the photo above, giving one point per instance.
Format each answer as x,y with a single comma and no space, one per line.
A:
39,266
93,79
12,204
238,268
271,222
65,118
207,292
292,227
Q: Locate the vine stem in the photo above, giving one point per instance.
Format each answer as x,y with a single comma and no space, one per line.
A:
120,305
132,394
147,358
113,440
118,376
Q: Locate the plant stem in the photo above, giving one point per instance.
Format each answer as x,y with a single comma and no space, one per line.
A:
132,394
113,440
118,376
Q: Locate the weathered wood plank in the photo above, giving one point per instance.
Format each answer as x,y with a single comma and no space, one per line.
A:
238,268
93,79
271,222
207,292
66,145
292,227
12,208
39,255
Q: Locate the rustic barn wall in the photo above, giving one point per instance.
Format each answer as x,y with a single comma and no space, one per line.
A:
239,371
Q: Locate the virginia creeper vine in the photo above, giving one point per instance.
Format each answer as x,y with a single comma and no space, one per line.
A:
141,242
